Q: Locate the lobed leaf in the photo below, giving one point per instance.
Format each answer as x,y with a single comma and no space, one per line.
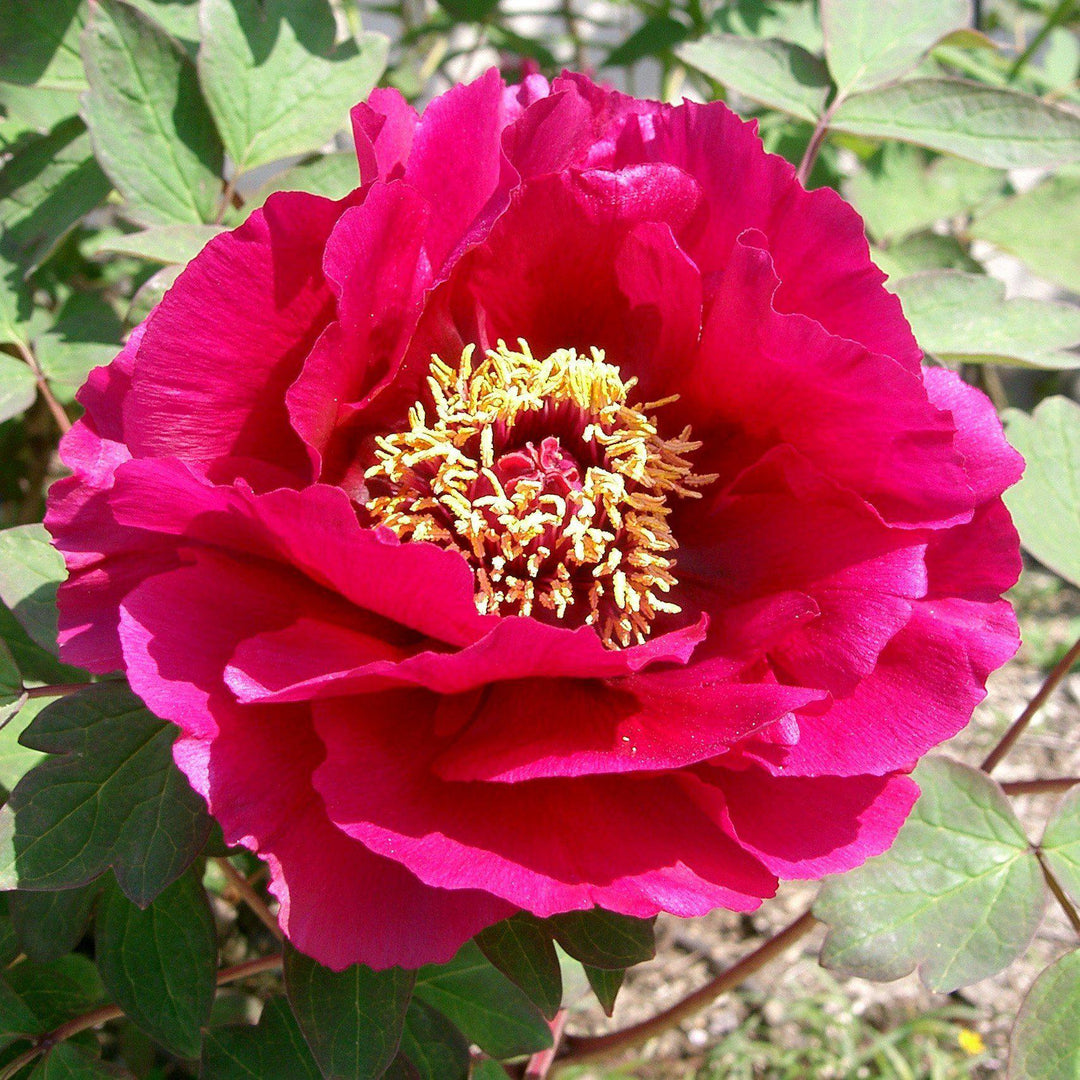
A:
959,894
985,124
274,1050
352,1019
603,939
39,44
144,93
30,570
111,796
1061,844
49,925
1045,504
522,949
1044,1043
435,1049
775,73
605,985
277,80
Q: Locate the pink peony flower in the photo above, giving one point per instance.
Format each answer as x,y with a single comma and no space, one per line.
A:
561,519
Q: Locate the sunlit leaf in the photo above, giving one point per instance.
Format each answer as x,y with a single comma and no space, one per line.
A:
1044,1042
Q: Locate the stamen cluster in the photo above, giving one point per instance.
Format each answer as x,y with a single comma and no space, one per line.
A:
548,481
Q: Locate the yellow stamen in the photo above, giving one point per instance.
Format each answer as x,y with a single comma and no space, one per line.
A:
599,553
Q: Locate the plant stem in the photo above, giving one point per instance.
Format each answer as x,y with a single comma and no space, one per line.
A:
1040,787
249,896
580,1047
1050,684
813,147
581,58
44,389
44,1043
1059,894
1058,15
539,1065
57,689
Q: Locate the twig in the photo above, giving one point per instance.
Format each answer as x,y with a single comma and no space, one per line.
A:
1058,15
1050,684
44,1043
44,389
249,896
580,1047
573,31
57,689
813,147
540,1064
1059,894
1040,787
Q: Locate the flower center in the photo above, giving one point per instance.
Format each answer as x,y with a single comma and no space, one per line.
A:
553,487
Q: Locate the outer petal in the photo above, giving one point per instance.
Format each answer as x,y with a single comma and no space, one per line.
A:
383,129
635,845
228,339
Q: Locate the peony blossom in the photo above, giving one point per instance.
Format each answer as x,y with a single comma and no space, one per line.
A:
562,519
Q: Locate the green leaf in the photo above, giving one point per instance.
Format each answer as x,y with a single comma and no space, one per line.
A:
484,1004
50,924
86,334
31,111
275,1050
522,949
180,18
605,985
15,304
774,73
604,939
18,388
900,192
985,124
797,23
111,796
17,760
487,1069
16,1017
870,44
1044,1042
959,894
277,80
923,251
11,686
965,318
159,963
66,1061
1061,844
657,34
37,664
352,1019
434,1047
49,184
173,245
1045,505
332,175
30,570
39,43
144,94
1029,227
57,991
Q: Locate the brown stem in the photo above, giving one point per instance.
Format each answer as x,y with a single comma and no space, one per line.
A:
249,896
580,1047
539,1065
1050,683
1040,787
45,390
813,147
581,58
1059,894
57,689
44,1043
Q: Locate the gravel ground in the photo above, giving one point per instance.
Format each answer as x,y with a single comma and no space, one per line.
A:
691,951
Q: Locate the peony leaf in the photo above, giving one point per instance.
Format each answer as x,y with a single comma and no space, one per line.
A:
656,35
17,760
30,570
774,73
903,189
352,1019
959,895
18,387
605,985
1029,226
433,1046
144,93
15,304
50,924
67,1061
11,684
923,251
484,1004
1044,1042
870,44
277,80
48,185
39,44
85,335
172,245
603,939
985,124
522,949
1045,505
965,318
159,963
180,18
1061,844
56,991
331,175
274,1050
111,797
